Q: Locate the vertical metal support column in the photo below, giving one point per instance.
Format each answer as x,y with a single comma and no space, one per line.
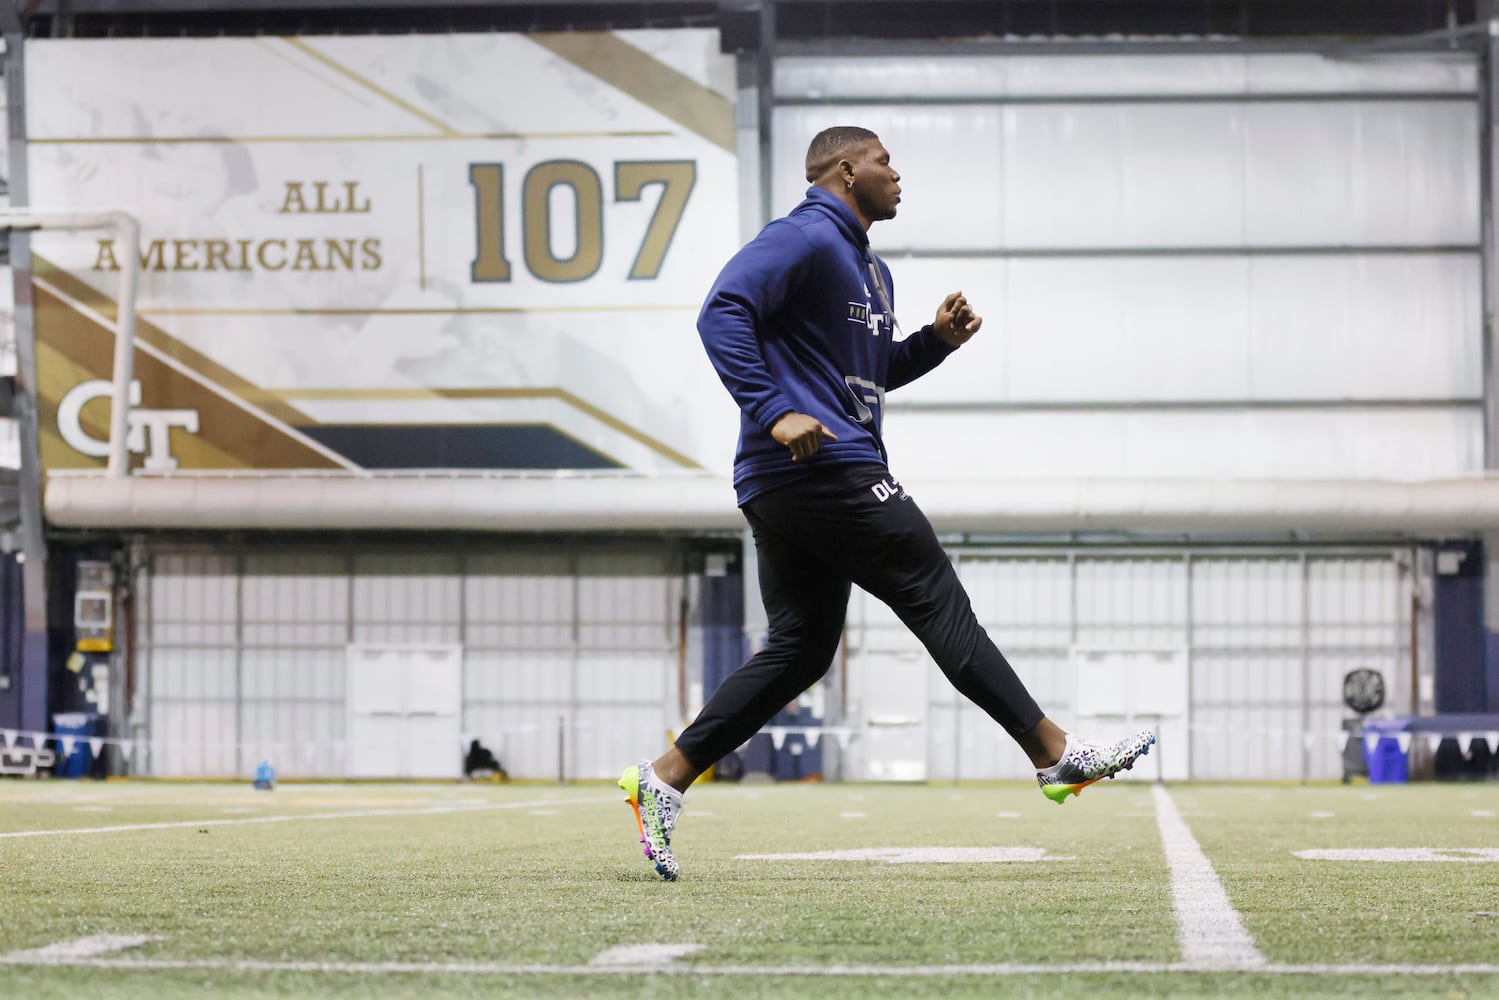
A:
765,64
1305,665
143,761
747,145
752,110
243,763
1488,153
1189,570
25,705
464,714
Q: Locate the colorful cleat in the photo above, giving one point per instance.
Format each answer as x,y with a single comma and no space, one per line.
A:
656,809
1084,762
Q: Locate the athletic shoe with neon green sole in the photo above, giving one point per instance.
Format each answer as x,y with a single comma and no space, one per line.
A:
1084,762
656,807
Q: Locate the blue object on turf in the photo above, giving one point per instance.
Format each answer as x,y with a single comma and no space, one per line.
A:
265,776
1388,764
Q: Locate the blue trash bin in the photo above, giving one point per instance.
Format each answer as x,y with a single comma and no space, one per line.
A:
1388,764
77,726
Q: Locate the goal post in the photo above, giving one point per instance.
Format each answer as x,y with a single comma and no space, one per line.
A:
127,233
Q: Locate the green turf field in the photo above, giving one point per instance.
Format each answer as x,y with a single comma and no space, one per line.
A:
424,890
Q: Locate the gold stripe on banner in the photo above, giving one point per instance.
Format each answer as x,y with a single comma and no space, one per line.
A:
149,333
272,47
534,392
75,341
56,373
647,79
66,368
184,140
370,85
377,311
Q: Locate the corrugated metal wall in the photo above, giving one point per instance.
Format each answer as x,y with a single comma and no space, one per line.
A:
1190,265
1268,636
243,656
575,650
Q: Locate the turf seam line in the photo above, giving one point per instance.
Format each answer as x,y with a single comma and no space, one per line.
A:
1210,931
357,814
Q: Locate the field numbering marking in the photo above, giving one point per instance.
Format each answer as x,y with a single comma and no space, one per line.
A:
1211,933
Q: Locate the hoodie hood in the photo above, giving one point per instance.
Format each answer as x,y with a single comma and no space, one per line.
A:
824,202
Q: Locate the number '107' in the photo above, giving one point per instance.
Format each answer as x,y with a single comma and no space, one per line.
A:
631,178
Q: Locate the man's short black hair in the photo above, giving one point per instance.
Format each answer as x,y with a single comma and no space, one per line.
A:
829,145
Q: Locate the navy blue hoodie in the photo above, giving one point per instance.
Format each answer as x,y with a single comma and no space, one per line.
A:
795,323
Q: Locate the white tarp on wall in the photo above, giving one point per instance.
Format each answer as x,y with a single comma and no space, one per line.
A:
1197,266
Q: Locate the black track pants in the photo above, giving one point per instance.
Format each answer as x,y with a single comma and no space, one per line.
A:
850,524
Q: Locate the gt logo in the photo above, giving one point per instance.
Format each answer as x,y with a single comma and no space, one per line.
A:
863,314
887,488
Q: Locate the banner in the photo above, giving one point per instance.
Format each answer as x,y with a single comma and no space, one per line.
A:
426,251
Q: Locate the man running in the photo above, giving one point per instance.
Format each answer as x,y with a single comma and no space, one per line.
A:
801,328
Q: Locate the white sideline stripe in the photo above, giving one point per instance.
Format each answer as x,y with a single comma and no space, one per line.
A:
360,814
829,971
643,955
64,952
1208,927
1465,855
915,855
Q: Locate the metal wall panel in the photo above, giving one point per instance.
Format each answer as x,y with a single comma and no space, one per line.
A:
296,626
521,706
407,598
1248,659
190,642
193,715
1013,76
600,631
1268,637
1315,442
1204,328
296,600
1131,602
1218,237
292,710
624,602
1026,604
1135,176
568,650
522,600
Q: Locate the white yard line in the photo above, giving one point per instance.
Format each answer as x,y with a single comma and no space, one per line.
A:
360,814
649,956
1210,931
67,952
831,971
